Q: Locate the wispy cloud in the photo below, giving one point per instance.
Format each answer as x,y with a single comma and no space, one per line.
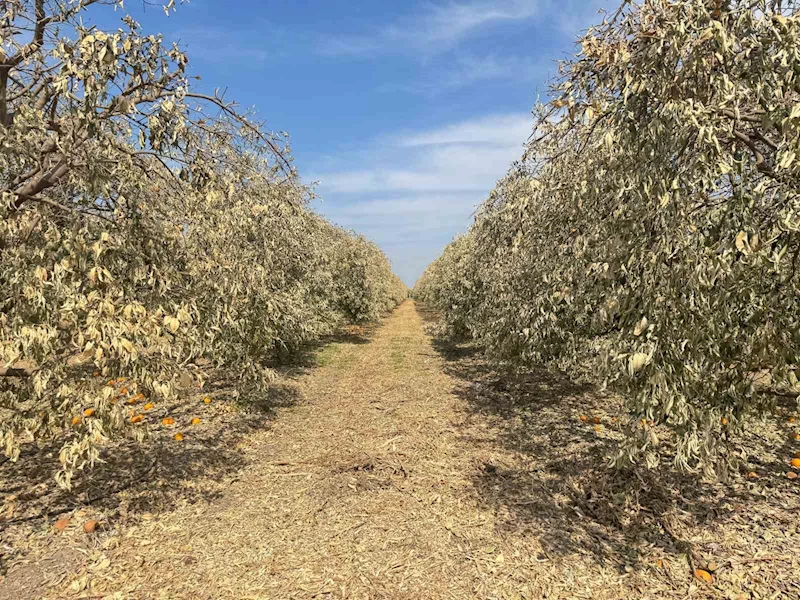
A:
465,70
447,171
469,155
495,130
437,27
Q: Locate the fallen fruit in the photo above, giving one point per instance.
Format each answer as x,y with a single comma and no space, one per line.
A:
724,420
207,400
76,420
96,374
752,475
149,406
168,421
796,463
90,526
88,412
196,421
584,418
61,524
704,575
124,391
596,420
791,475
137,418
178,437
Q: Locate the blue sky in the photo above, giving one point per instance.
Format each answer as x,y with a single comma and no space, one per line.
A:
405,113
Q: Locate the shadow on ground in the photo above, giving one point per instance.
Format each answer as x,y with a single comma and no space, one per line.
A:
298,362
152,476
548,474
139,477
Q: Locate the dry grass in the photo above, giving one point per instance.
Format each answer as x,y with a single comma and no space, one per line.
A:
408,470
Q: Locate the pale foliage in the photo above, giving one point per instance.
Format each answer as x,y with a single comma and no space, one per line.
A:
650,236
148,233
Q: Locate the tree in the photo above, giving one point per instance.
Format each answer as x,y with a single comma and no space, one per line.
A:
145,226
650,234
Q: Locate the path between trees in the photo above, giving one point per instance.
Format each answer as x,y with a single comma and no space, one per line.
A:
404,471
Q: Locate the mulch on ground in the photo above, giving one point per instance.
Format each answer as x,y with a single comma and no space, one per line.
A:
402,467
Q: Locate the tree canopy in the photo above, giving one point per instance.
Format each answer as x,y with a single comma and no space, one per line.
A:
146,226
649,237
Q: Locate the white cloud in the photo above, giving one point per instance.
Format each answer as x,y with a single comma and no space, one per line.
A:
466,70
439,26
471,69
422,212
497,130
466,156
446,172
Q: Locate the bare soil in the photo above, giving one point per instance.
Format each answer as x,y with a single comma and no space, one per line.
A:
396,466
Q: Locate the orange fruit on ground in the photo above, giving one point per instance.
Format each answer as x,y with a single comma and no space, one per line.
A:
724,420
124,391
791,420
196,421
76,420
752,475
137,418
88,412
168,421
112,382
207,400
596,420
96,374
178,437
584,418
704,575
791,475
797,437
90,526
149,406
796,463
139,396
61,524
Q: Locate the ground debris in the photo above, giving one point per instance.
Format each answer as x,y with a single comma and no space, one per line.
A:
470,482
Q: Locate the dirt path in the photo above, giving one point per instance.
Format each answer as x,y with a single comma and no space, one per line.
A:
404,474
359,492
